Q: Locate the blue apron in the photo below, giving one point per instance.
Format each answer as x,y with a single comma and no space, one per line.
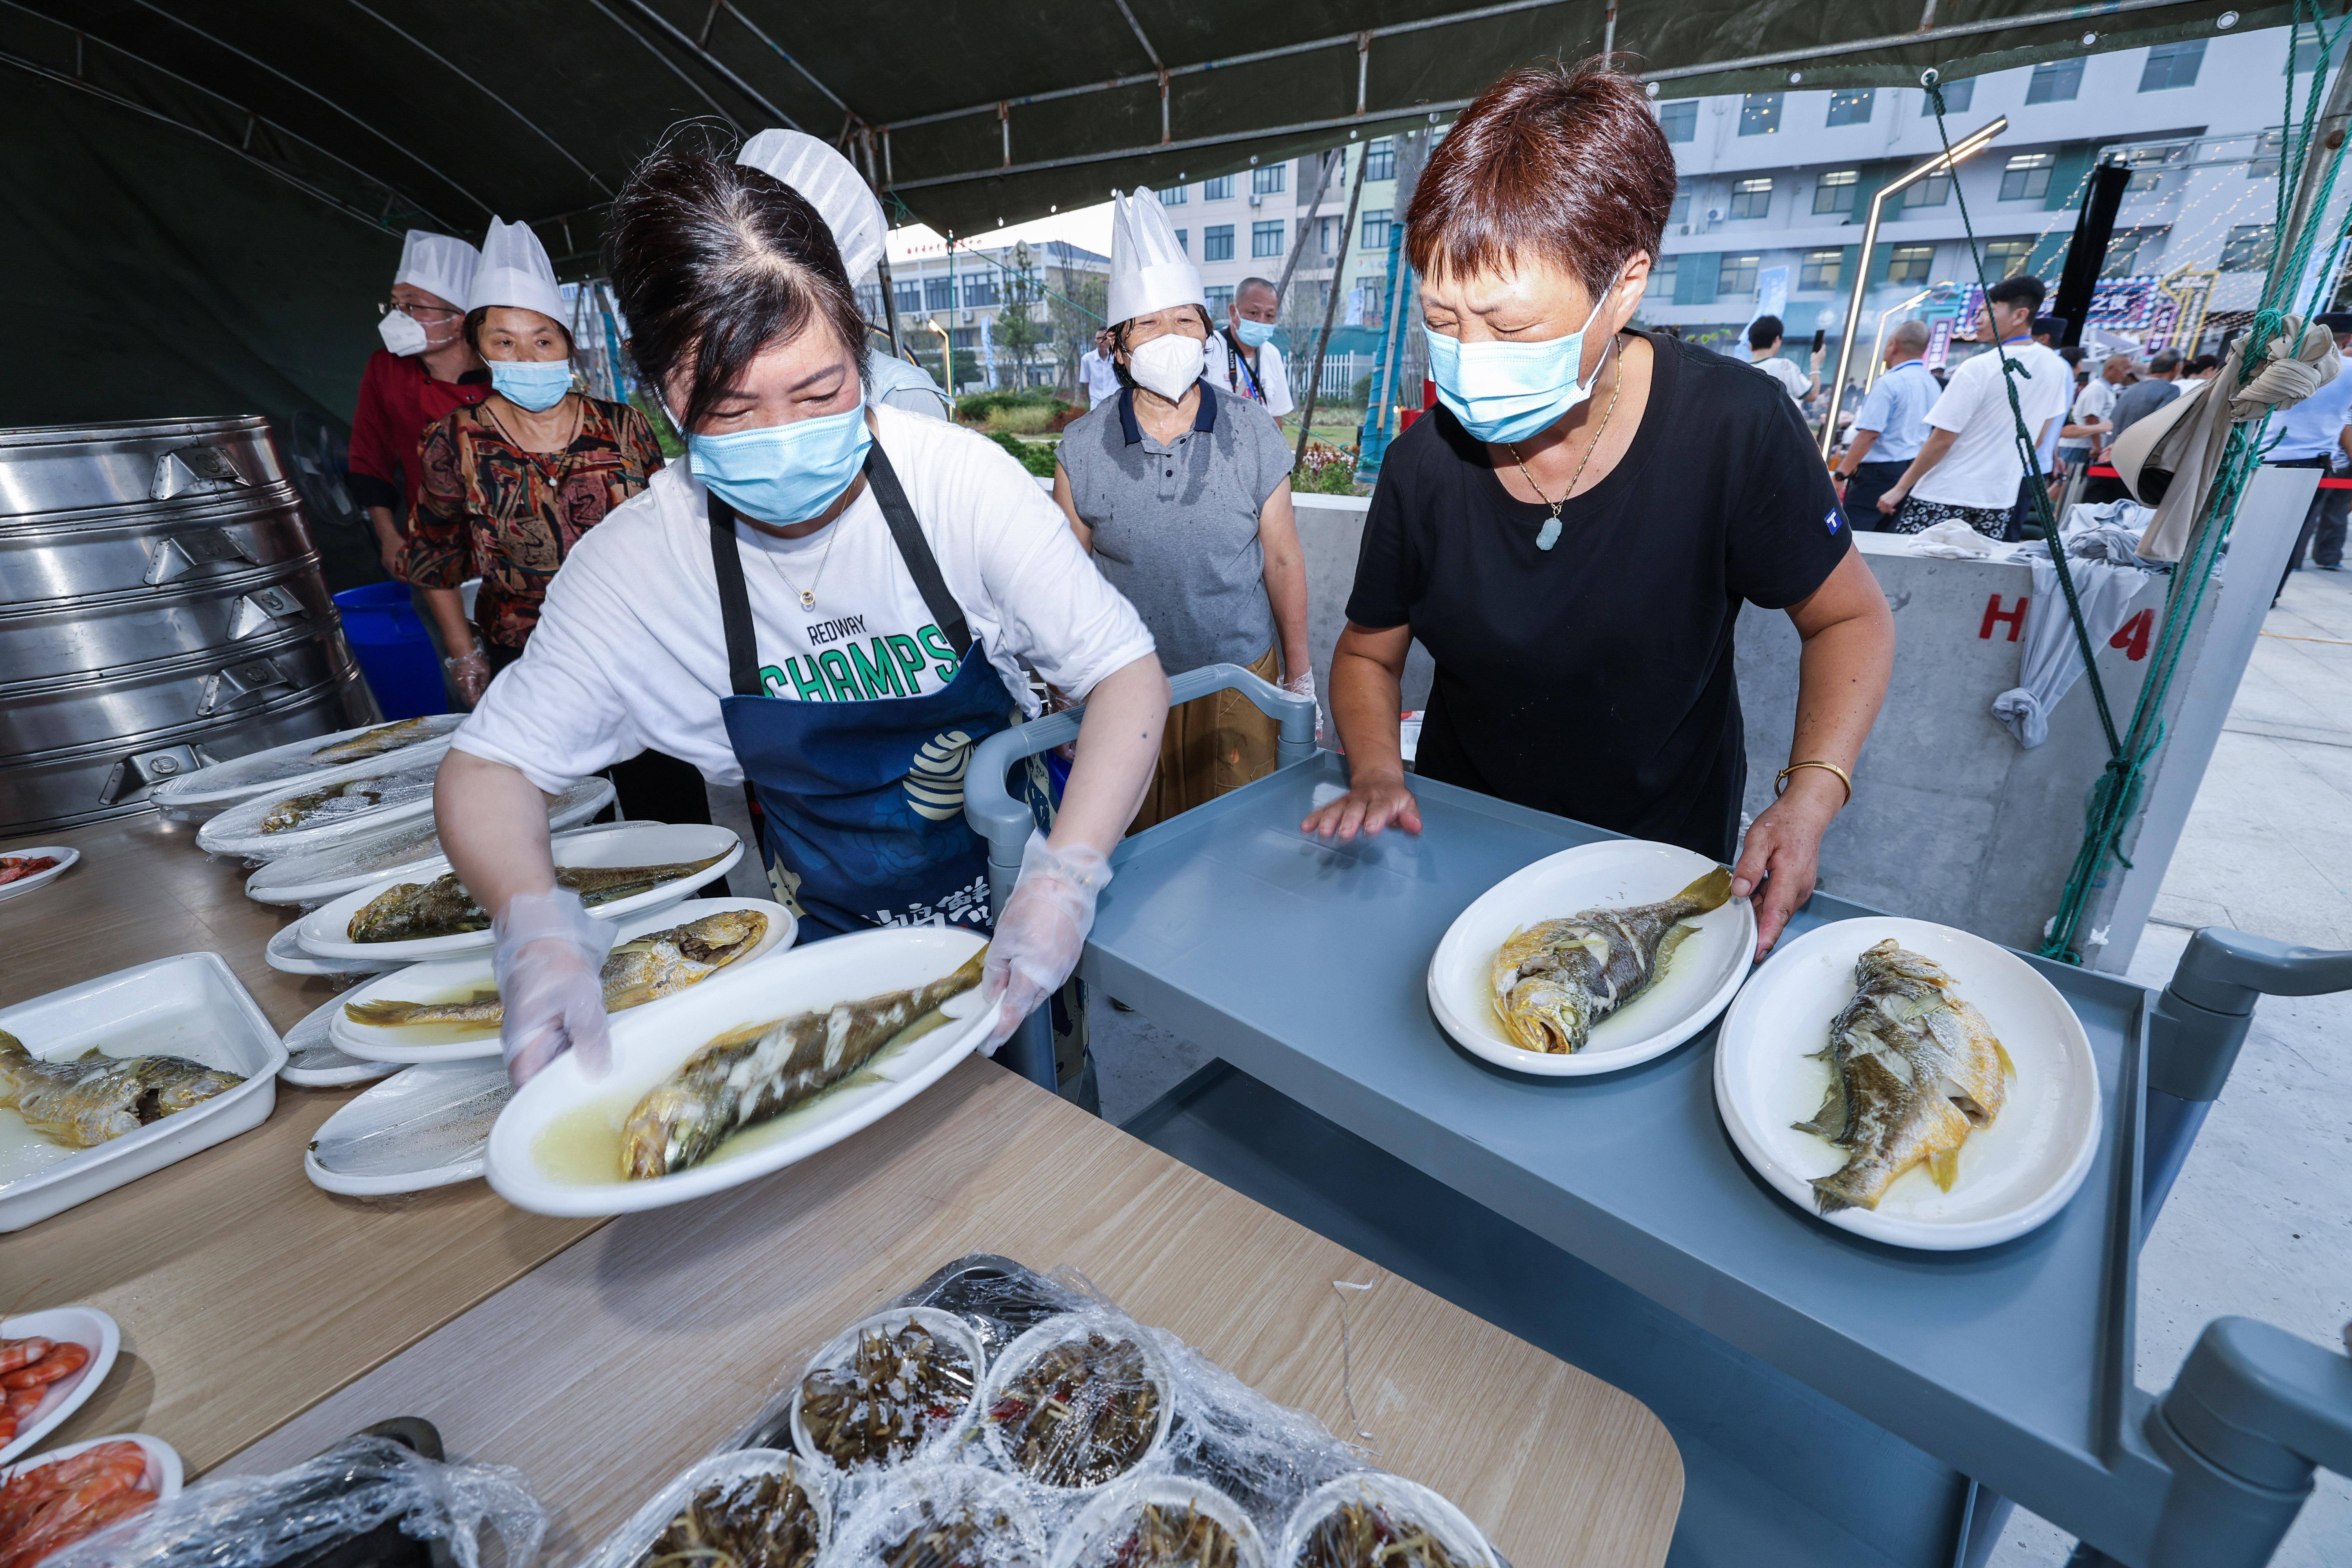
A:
861,804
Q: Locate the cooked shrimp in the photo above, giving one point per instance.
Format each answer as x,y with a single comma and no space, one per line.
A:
14,1353
63,1361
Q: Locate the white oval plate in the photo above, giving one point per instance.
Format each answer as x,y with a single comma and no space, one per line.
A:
313,878
286,955
325,931
210,790
88,1327
425,1127
1706,969
163,1474
459,978
564,1114
66,857
314,1061
2014,1174
237,831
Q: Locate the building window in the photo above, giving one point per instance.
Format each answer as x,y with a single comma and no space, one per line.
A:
1217,242
2026,177
963,340
1751,198
1958,96
1662,277
1217,190
2055,81
1376,228
1835,192
1265,239
1220,296
1324,230
938,293
910,292
1736,274
1174,195
1267,181
869,300
1820,268
1759,114
1380,159
1679,120
2172,65
1184,240
1932,191
980,289
1910,263
2247,248
1680,210
2122,259
2006,258
1851,106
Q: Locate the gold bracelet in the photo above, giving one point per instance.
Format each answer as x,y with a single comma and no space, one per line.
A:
1781,779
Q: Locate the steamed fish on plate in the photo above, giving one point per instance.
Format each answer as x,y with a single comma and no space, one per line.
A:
1554,981
381,739
442,906
659,963
349,799
86,1102
745,1078
1914,1070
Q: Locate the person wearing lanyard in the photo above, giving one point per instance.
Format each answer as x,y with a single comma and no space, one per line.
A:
831,602
1242,357
1566,549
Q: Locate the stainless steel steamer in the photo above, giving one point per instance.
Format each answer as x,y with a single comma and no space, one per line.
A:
161,607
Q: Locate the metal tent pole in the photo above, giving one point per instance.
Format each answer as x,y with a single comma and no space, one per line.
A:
1330,305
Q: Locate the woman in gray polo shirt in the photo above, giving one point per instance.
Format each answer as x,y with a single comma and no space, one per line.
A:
1181,492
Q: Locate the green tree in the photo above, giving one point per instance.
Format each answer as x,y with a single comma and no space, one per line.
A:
1075,310
1020,329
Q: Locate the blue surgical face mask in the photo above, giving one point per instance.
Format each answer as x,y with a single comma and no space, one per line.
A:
783,474
537,384
1255,334
1504,392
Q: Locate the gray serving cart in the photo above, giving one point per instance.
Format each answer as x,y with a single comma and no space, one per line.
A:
1836,1400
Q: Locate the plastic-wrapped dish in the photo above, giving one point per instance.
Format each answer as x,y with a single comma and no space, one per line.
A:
1374,1520
404,848
1153,1520
328,808
941,1516
1078,1401
900,1385
755,1508
194,796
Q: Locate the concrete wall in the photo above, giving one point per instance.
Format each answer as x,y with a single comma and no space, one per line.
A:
1331,530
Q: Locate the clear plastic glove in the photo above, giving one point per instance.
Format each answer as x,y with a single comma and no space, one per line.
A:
549,956
1303,684
470,674
1040,933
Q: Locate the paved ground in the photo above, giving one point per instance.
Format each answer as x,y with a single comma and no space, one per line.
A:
2261,1223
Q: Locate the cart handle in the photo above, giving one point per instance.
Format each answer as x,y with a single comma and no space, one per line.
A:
2202,1016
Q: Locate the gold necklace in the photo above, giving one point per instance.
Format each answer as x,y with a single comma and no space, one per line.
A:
1550,534
808,594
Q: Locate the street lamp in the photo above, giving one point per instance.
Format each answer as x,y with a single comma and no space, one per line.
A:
1967,146
1878,349
947,352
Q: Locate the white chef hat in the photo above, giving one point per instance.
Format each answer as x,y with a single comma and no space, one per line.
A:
830,184
514,272
440,263
1148,269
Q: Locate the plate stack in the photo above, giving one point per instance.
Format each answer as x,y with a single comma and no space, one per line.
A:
161,608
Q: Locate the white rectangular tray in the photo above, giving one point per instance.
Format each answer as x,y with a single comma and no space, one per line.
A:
192,1007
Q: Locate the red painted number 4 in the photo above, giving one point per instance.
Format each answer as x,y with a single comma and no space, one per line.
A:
2132,635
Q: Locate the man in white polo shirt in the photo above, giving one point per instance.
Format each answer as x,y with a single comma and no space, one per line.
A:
1970,466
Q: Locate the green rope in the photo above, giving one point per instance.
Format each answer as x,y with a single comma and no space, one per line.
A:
2115,797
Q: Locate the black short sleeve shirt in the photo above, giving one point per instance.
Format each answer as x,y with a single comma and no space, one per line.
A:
1595,679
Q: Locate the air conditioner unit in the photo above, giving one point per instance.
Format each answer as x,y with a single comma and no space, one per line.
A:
1257,199
1684,229
967,318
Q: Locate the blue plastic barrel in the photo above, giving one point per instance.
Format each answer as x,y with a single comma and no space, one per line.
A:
394,651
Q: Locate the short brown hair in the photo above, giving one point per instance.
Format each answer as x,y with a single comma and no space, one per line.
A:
1563,162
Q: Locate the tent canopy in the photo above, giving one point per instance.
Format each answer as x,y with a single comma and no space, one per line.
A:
262,156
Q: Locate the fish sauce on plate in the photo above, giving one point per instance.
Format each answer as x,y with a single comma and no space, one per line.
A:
641,970
1914,1070
757,1073
1554,981
96,1097
409,911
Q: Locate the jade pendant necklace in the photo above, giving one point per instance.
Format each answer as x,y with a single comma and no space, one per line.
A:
1549,535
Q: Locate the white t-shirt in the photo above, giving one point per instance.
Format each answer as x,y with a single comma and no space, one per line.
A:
1220,369
2094,403
629,654
1984,466
1793,381
1100,377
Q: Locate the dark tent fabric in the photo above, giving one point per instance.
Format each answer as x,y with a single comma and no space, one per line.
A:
206,195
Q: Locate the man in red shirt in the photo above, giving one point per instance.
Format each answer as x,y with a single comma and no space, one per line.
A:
426,369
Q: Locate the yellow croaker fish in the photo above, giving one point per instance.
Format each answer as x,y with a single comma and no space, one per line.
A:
636,971
1554,981
745,1078
442,906
1913,1070
84,1102
376,742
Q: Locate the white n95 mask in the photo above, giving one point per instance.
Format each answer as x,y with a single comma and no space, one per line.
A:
401,334
1167,364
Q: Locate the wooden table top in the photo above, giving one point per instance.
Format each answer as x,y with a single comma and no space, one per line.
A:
619,1362
245,1293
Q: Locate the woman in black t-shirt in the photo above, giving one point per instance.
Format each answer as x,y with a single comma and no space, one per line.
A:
1572,533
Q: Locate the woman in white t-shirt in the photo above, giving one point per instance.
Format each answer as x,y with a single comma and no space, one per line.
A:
831,603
